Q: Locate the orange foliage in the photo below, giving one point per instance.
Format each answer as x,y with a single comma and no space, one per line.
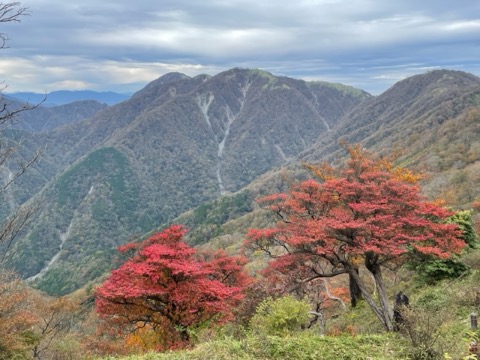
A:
342,330
56,319
325,171
16,317
406,175
476,205
100,339
144,338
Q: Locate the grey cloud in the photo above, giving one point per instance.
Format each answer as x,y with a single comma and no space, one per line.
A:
365,43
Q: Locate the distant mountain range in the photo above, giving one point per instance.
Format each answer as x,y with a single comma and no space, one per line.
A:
200,149
62,97
43,119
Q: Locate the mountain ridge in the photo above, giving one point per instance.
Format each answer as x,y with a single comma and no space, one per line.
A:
413,99
442,142
63,97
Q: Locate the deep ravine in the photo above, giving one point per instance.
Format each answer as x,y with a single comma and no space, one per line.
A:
204,101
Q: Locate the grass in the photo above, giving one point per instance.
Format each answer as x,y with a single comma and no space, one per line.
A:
302,346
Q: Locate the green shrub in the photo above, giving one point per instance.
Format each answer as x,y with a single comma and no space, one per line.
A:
280,317
430,270
434,299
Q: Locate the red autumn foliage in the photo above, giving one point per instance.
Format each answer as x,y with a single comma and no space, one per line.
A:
165,285
366,213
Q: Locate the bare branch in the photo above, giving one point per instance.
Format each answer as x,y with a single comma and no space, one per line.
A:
8,111
330,296
316,276
23,167
10,12
12,226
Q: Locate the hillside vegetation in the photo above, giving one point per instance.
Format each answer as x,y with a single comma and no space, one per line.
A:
440,327
194,296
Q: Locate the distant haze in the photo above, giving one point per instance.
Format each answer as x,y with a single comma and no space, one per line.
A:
63,97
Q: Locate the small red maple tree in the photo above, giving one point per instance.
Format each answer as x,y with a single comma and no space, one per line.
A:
164,285
366,213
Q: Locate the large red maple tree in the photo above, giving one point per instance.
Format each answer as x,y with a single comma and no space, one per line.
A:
366,214
166,286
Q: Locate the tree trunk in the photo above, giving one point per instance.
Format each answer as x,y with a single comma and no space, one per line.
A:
355,292
383,297
376,270
381,310
367,296
184,335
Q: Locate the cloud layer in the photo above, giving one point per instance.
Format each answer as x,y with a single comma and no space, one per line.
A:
121,45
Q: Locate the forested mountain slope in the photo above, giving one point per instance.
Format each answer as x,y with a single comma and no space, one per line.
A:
194,143
26,135
429,123
43,119
175,144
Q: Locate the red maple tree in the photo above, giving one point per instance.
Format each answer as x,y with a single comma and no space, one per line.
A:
367,213
167,287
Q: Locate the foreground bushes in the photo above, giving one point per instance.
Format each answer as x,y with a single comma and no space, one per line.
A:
301,346
276,331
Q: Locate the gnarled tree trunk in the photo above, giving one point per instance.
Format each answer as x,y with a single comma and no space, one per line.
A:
381,309
355,292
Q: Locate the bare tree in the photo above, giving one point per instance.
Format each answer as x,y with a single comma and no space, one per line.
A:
10,227
10,12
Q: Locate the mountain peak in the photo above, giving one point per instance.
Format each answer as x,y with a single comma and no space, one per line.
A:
165,79
434,80
152,88
172,76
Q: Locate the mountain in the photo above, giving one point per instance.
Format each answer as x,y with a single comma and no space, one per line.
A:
200,150
62,97
25,134
408,109
431,122
172,146
42,119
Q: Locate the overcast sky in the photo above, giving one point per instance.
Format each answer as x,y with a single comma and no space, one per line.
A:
121,45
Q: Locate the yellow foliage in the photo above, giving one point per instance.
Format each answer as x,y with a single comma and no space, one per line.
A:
144,338
406,175
326,172
323,171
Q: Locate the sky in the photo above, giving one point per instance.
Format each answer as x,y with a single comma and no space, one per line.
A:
121,45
